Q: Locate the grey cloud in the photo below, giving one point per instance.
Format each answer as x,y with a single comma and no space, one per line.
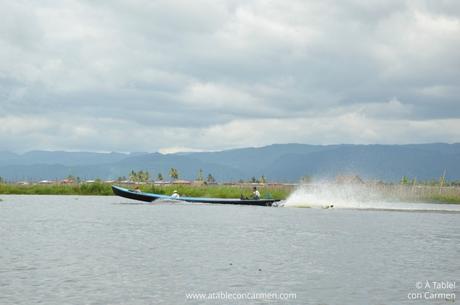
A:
191,70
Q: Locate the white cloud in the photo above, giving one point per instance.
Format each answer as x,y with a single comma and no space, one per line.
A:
439,91
219,74
177,149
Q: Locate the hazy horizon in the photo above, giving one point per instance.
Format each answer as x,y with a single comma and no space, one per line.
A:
175,150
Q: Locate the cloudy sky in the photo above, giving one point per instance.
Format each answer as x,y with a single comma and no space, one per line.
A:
149,75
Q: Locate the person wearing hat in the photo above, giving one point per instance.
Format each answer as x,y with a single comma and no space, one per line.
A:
255,193
175,194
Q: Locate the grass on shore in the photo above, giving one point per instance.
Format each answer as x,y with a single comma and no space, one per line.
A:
57,189
419,193
452,199
99,188
396,192
220,191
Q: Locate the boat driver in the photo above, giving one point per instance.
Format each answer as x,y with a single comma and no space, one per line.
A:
255,193
175,194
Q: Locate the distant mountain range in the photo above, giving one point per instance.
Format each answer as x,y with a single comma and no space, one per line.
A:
278,162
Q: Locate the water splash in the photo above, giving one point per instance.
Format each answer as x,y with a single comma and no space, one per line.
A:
325,195
355,196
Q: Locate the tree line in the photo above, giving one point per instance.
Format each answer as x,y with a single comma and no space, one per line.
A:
144,176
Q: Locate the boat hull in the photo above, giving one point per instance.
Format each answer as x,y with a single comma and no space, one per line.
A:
150,197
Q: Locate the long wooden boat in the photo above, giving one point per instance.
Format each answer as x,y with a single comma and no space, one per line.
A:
150,197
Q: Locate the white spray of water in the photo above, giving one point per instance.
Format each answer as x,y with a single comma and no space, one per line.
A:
354,196
327,194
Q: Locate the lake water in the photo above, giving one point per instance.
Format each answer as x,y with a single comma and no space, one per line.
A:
108,250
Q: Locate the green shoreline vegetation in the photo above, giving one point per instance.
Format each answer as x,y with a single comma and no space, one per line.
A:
104,189
399,192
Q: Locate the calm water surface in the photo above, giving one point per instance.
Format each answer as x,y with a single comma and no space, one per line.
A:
107,250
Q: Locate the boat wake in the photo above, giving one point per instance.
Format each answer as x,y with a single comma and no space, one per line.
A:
343,196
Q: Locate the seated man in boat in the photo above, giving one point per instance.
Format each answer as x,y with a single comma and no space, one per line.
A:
255,193
175,194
